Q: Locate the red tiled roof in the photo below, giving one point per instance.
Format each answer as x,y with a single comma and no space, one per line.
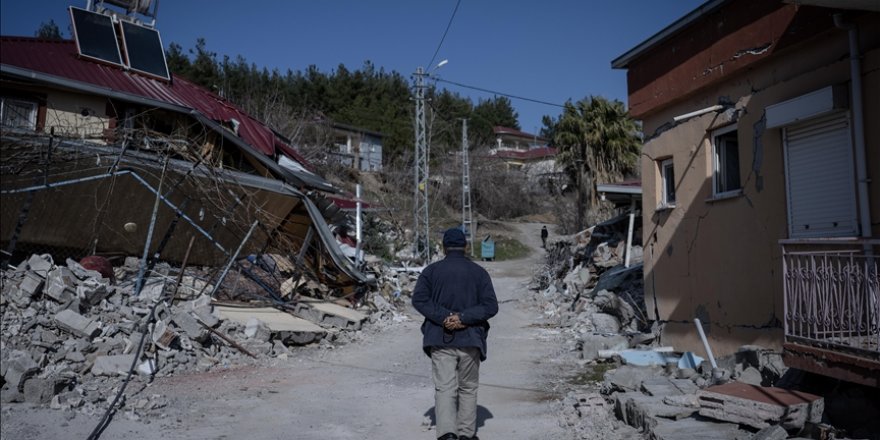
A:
60,58
514,132
534,153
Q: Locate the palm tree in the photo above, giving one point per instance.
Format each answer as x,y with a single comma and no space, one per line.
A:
598,141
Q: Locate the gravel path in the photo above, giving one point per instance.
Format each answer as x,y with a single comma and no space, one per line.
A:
376,388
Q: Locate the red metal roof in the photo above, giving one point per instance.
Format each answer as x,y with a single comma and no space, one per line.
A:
60,58
534,153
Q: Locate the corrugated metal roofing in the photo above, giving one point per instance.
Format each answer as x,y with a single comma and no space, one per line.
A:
60,58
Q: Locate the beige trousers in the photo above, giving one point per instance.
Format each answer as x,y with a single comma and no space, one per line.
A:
456,379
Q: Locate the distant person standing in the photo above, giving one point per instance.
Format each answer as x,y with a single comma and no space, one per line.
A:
544,235
457,299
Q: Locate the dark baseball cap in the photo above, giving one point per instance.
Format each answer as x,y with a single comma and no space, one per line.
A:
454,238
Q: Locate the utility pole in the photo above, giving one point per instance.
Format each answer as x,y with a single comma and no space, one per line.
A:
467,214
421,228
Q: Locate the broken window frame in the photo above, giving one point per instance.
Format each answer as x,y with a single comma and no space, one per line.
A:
726,181
5,102
667,183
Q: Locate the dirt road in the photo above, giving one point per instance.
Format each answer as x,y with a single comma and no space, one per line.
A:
376,388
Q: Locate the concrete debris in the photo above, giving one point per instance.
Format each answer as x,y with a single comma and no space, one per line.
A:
774,432
329,314
77,324
256,329
760,407
598,306
17,368
695,429
69,331
112,365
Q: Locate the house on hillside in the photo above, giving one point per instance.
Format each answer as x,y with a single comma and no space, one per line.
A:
761,179
529,153
96,131
357,147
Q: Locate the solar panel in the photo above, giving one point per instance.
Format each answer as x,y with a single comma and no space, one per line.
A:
95,35
143,48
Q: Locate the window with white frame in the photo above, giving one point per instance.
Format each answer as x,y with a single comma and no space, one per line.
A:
725,154
667,183
17,113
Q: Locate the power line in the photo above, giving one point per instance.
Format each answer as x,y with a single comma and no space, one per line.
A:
537,101
448,25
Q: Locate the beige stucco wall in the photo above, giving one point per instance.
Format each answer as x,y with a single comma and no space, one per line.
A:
720,260
64,113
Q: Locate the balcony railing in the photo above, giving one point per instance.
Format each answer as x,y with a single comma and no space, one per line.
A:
832,295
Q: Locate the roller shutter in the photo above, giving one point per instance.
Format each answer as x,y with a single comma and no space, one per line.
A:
820,179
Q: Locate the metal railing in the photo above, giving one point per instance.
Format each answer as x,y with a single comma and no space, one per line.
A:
832,294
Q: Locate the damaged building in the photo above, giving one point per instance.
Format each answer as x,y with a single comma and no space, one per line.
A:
104,151
760,213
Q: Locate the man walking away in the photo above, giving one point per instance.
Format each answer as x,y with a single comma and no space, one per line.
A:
457,298
544,235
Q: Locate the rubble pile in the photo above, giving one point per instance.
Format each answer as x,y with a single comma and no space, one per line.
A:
588,290
672,402
69,333
598,304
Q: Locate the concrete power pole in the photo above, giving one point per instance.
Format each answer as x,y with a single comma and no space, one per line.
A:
421,228
467,214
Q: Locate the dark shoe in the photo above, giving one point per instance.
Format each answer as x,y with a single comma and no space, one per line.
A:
448,436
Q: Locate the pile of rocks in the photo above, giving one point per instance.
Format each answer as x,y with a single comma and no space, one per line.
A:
70,333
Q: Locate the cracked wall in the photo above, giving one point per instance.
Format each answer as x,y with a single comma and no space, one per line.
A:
719,259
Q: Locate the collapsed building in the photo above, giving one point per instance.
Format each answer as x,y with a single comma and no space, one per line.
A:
88,146
177,213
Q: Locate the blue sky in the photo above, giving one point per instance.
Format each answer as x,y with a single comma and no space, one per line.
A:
548,50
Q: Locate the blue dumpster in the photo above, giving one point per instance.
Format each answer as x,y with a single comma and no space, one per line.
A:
488,249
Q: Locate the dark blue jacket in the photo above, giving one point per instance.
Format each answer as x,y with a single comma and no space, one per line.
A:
455,285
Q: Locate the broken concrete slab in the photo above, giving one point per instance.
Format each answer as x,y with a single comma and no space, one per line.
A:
664,386
31,285
287,327
643,412
697,429
19,366
750,376
112,365
41,264
77,324
760,407
60,284
330,314
630,378
92,291
39,390
188,325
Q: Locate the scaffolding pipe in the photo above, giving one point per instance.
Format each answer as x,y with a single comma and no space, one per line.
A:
234,257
